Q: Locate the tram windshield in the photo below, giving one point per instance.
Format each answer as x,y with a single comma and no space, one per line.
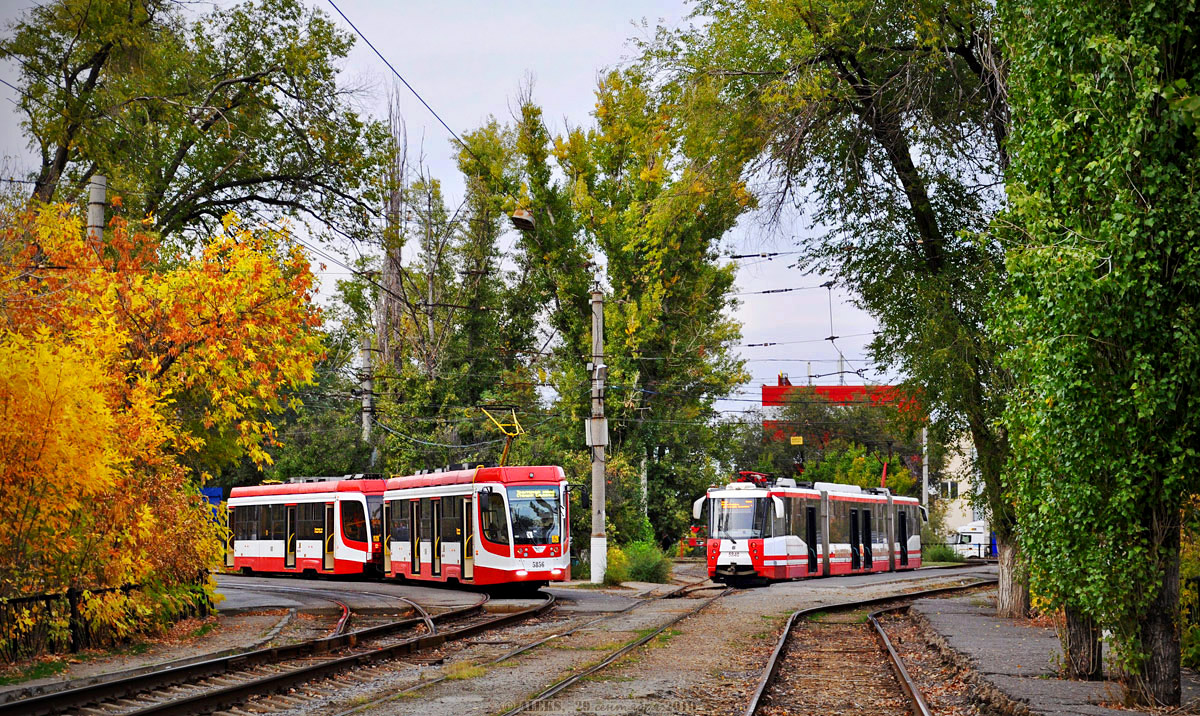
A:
535,514
738,518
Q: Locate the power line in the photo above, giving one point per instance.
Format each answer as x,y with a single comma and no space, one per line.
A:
406,84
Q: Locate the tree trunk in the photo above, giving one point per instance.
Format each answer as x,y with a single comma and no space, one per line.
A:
1082,646
1160,627
1012,596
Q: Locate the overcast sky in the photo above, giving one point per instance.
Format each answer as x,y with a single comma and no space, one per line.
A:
469,59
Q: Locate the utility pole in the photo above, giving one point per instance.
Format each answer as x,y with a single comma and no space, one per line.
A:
97,201
597,439
925,467
368,387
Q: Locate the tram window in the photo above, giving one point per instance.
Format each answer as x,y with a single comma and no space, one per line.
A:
495,521
312,520
779,523
426,519
304,521
274,522
839,522
451,519
354,522
376,506
245,522
399,520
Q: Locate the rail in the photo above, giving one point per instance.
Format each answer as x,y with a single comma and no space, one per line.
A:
76,698
776,659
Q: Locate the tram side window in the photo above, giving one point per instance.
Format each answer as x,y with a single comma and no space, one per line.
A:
451,519
245,522
354,522
398,515
839,522
309,521
494,518
779,522
273,524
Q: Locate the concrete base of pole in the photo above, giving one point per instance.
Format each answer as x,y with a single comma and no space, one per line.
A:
599,559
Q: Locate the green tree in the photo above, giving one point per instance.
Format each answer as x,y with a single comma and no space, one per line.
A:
1104,314
886,122
237,109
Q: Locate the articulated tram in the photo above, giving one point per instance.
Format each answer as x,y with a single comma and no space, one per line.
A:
762,529
489,525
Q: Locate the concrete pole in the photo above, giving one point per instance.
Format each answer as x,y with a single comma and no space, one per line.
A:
97,201
368,388
598,439
925,467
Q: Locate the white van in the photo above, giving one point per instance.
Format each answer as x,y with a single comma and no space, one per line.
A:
973,539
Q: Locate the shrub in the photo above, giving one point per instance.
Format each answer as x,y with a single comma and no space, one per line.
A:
617,570
647,563
940,553
581,569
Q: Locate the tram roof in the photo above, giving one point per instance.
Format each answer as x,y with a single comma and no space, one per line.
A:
370,487
514,474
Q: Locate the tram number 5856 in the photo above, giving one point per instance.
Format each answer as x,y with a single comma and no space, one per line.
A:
539,565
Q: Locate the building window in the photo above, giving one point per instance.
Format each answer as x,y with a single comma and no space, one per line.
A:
950,490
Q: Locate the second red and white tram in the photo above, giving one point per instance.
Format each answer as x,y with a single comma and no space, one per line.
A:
316,525
763,529
489,525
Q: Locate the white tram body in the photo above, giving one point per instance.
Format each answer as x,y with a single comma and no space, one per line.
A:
785,530
316,525
490,525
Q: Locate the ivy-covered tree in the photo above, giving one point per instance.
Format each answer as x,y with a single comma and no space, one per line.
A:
1104,317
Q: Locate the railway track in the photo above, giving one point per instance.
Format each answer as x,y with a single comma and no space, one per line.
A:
227,681
843,663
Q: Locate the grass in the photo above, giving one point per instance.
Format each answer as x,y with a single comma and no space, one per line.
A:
36,670
667,636
464,670
202,630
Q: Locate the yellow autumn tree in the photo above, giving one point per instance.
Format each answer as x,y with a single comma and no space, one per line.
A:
109,353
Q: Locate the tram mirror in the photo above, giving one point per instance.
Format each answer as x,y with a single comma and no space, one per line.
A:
778,502
924,513
698,507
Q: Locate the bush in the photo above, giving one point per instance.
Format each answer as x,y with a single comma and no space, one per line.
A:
940,553
647,563
581,569
617,570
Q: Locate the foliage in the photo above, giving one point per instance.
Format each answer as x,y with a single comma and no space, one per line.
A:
938,552
853,464
1104,314
1189,586
647,563
190,117
103,349
886,122
617,568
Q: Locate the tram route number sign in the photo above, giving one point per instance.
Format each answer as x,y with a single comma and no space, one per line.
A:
543,494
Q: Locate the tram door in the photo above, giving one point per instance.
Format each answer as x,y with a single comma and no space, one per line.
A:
866,528
387,536
229,542
855,541
415,514
435,536
289,545
468,527
902,535
329,537
810,536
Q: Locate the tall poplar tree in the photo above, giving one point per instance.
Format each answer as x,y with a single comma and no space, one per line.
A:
1104,315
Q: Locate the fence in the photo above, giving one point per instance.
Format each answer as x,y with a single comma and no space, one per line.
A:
62,622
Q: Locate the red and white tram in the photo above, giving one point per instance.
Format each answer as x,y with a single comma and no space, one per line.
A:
325,525
489,525
762,529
